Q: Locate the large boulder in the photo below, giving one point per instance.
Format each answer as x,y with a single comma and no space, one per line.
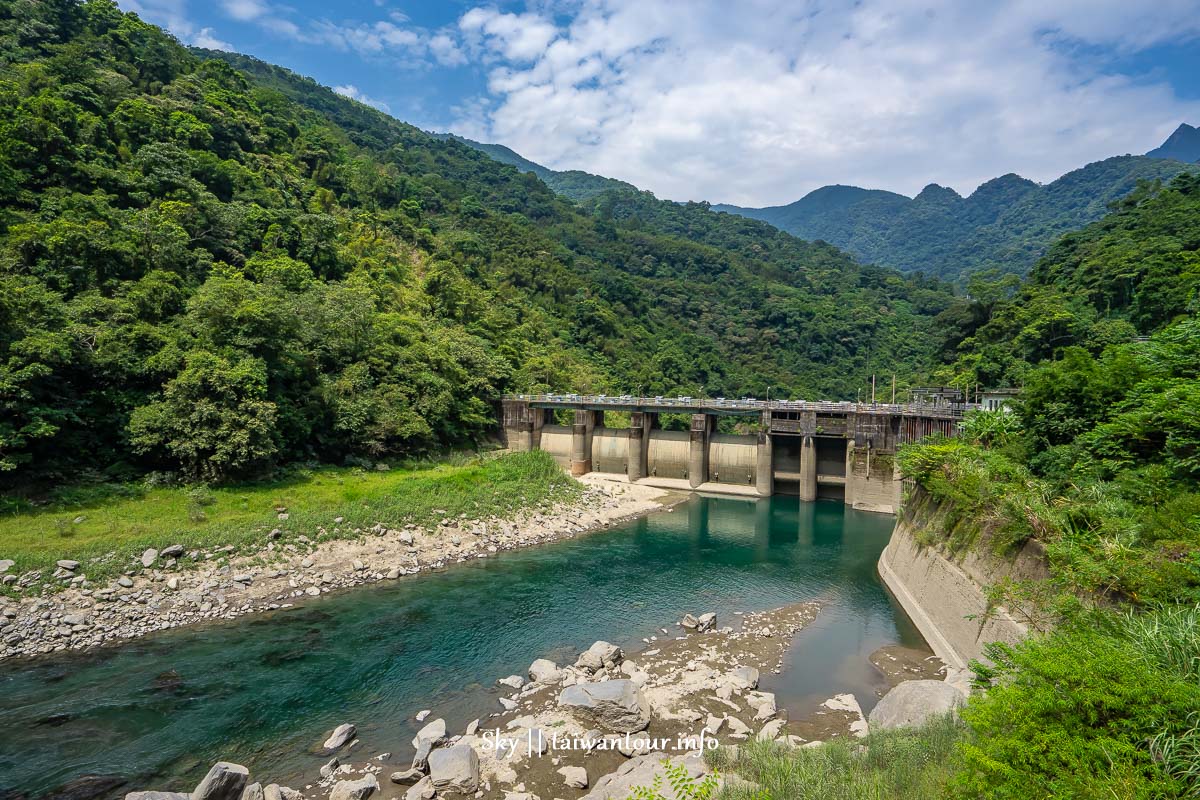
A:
433,733
253,792
640,771
744,678
912,703
600,654
616,705
454,770
544,671
273,791
224,781
340,735
360,789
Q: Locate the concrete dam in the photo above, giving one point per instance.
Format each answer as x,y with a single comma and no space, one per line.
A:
843,451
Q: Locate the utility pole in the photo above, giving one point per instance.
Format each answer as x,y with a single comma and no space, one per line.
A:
893,388
872,390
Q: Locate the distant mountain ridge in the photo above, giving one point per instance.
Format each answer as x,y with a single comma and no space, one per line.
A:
1007,223
573,183
1182,145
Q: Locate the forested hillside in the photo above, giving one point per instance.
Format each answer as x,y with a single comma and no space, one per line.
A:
1006,224
209,271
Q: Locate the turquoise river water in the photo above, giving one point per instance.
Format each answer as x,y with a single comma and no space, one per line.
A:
262,690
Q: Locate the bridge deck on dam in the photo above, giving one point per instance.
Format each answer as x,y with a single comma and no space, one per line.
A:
811,449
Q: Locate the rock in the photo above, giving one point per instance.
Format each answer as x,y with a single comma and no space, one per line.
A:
5,565
341,734
253,792
421,758
515,681
472,727
689,622
635,745
273,791
360,789
913,702
125,581
423,715
744,678
544,671
454,769
172,583
508,703
538,743
600,654
706,622
408,777
433,733
157,796
329,767
421,790
714,724
640,771
737,727
149,557
225,781
174,551
770,731
575,777
616,705
68,564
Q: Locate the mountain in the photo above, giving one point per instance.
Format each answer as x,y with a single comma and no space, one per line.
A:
212,266
1006,224
575,184
1182,145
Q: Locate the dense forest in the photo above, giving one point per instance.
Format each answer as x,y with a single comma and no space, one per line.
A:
1099,462
211,266
1006,224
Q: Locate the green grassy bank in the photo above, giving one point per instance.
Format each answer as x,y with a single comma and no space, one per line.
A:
105,527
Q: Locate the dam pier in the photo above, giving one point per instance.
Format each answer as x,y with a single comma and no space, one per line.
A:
843,451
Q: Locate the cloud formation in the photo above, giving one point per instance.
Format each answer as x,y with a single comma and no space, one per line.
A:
353,92
761,102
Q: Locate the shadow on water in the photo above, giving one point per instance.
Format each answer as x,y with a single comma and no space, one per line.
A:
263,691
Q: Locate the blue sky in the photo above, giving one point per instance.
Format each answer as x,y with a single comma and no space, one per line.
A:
755,102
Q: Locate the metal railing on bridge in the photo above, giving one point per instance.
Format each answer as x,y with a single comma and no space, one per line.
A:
735,406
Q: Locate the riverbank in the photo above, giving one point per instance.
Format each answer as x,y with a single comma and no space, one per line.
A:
596,727
183,585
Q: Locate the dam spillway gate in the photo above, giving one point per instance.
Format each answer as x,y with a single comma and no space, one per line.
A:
843,451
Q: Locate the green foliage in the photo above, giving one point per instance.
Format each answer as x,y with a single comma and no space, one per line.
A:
683,785
914,763
213,266
991,428
1077,714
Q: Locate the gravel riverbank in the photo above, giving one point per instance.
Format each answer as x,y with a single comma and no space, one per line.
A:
182,586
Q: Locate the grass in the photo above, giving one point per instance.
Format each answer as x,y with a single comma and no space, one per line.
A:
106,528
914,763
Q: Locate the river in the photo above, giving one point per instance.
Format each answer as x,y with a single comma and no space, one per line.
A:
262,690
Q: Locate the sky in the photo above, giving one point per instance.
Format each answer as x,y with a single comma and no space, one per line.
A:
751,102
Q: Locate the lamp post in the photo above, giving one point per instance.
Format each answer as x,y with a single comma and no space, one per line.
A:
768,395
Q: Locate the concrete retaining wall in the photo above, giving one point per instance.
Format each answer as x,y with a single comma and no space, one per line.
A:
945,594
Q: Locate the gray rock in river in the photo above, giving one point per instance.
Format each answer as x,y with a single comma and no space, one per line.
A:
360,789
706,621
420,760
273,791
157,796
616,705
600,654
407,777
913,702
544,671
422,790
454,770
434,732
253,792
340,735
225,781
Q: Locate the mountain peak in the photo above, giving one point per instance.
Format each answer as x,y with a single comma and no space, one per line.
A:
1182,145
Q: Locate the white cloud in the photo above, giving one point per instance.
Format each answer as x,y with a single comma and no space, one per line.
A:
761,102
245,10
207,39
352,91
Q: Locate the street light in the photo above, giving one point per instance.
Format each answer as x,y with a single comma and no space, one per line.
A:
768,395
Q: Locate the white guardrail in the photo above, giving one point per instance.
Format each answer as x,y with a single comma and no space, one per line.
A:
744,404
